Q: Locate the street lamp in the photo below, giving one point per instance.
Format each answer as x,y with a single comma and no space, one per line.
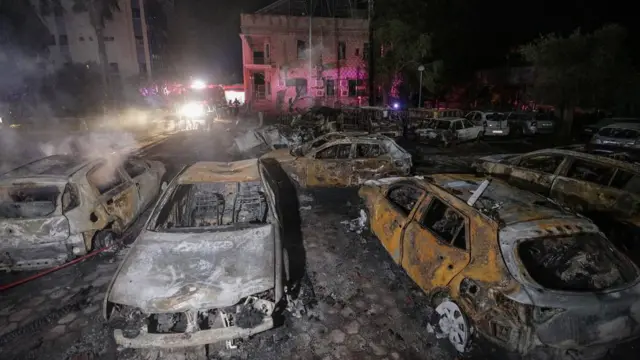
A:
421,70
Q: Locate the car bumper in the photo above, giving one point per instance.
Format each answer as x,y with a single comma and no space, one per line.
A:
198,338
496,132
41,256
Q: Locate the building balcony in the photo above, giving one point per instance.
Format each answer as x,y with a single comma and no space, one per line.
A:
260,63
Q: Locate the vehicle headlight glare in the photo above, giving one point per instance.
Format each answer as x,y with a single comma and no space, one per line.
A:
192,110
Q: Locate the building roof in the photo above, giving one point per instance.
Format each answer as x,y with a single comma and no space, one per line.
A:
333,8
51,166
501,201
213,172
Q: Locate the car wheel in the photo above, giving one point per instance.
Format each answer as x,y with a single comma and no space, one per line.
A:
453,324
103,239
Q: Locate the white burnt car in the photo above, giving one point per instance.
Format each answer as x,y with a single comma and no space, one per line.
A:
209,264
448,131
60,206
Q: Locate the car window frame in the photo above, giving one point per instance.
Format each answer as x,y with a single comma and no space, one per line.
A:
423,194
136,162
427,204
569,166
453,125
119,169
329,145
355,150
559,168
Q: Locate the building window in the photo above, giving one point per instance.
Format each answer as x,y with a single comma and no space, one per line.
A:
342,50
113,67
136,13
63,40
357,51
356,88
330,87
140,40
108,38
267,51
365,51
258,57
58,10
302,47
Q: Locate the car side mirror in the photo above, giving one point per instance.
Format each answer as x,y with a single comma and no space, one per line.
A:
164,186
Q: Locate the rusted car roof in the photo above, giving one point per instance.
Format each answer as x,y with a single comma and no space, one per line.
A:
501,201
50,166
605,159
211,171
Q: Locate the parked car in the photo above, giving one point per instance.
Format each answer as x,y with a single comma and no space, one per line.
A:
514,265
616,138
494,123
209,265
60,206
345,160
531,123
605,189
589,130
448,131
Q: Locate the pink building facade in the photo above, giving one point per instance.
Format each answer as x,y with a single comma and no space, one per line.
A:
282,65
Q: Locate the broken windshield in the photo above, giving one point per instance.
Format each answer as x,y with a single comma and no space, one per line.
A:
207,205
28,201
582,262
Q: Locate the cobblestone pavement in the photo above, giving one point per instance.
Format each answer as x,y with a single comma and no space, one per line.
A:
365,307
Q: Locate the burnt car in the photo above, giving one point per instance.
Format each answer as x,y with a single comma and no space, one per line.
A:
346,160
603,188
526,273
256,142
448,131
589,130
60,206
209,265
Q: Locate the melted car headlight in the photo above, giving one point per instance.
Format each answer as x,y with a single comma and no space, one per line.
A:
192,110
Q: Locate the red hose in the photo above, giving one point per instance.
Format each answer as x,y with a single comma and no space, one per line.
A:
48,271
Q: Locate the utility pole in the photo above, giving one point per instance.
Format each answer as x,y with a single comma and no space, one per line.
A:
371,56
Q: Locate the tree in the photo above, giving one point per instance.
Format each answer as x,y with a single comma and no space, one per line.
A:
403,50
99,12
589,70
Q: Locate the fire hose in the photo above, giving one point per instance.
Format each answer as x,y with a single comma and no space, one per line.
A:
54,269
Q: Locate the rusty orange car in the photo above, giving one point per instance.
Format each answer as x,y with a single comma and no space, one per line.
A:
344,160
525,272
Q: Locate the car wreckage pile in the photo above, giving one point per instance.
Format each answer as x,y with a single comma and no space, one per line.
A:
532,251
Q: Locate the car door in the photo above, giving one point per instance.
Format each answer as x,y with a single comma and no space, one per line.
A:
145,181
116,192
391,213
458,130
472,129
435,244
330,166
535,172
585,185
369,162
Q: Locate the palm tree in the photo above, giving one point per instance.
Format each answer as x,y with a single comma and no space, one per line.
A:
99,12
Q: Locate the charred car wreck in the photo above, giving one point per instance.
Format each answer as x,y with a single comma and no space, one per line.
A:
59,207
257,142
343,159
605,189
527,273
209,265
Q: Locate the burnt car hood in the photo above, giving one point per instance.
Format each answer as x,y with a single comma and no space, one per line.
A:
175,272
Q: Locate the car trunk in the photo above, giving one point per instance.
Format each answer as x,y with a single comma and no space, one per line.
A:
32,226
201,269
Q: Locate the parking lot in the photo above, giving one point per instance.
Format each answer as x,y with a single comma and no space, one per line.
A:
360,305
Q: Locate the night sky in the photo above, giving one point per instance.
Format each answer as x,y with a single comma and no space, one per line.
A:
480,31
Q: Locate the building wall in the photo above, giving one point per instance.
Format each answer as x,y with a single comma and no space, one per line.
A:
286,72
123,37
